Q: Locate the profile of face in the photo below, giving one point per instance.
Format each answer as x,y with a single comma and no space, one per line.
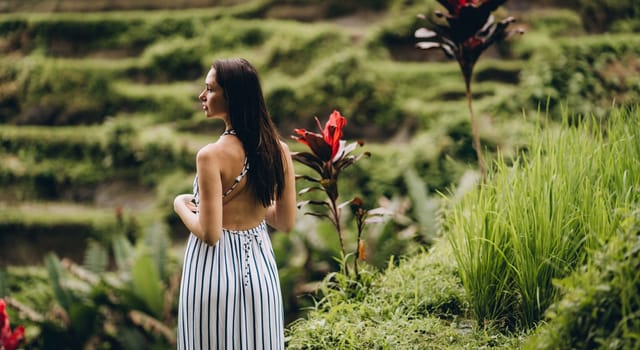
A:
214,104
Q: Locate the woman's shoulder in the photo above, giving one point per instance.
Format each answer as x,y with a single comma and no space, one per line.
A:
218,152
212,152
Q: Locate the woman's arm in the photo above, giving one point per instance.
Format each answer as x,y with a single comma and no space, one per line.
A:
281,215
207,224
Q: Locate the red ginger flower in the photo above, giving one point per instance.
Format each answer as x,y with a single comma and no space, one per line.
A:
8,340
327,144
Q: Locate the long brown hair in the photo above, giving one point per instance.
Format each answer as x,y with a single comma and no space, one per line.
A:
250,119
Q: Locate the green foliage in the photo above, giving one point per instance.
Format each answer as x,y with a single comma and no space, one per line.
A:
394,37
146,285
55,271
87,33
4,284
157,241
340,82
226,34
425,208
407,307
172,59
96,257
51,93
107,307
554,22
598,15
600,301
587,75
539,219
294,56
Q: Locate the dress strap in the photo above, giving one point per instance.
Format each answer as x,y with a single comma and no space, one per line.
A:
229,132
245,170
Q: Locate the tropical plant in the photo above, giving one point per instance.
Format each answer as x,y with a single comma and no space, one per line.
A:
470,29
9,340
329,156
541,217
128,308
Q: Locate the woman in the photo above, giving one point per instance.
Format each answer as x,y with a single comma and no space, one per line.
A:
230,295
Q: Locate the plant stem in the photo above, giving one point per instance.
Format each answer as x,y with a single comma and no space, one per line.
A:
335,211
474,131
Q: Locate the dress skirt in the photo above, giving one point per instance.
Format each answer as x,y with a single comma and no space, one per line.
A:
230,295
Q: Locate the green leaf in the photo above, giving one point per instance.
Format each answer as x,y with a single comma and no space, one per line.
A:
122,253
55,271
157,240
95,257
4,284
424,208
83,318
146,284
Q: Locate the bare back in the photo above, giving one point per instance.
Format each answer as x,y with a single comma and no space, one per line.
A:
240,208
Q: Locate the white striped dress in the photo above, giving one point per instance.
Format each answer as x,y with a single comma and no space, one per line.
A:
230,295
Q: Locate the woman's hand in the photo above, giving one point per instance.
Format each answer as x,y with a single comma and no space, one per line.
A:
184,201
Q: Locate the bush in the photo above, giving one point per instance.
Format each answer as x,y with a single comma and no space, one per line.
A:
170,60
415,305
225,34
74,35
600,302
555,22
598,15
396,38
73,144
540,219
295,56
586,75
343,82
51,93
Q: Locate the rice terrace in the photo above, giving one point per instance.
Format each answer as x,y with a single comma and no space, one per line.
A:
467,171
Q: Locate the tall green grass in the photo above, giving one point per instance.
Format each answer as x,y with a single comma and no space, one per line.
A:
540,218
419,304
600,302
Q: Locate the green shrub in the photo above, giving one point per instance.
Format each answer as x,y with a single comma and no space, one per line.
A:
626,26
539,219
554,22
405,307
587,75
51,93
226,33
170,60
395,36
598,15
72,35
38,143
600,302
342,82
296,55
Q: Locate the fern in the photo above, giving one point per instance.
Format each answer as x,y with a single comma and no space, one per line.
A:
122,253
157,240
55,271
96,257
424,208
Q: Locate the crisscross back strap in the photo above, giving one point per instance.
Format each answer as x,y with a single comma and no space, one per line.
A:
245,170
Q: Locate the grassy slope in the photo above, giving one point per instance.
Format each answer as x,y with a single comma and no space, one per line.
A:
419,304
